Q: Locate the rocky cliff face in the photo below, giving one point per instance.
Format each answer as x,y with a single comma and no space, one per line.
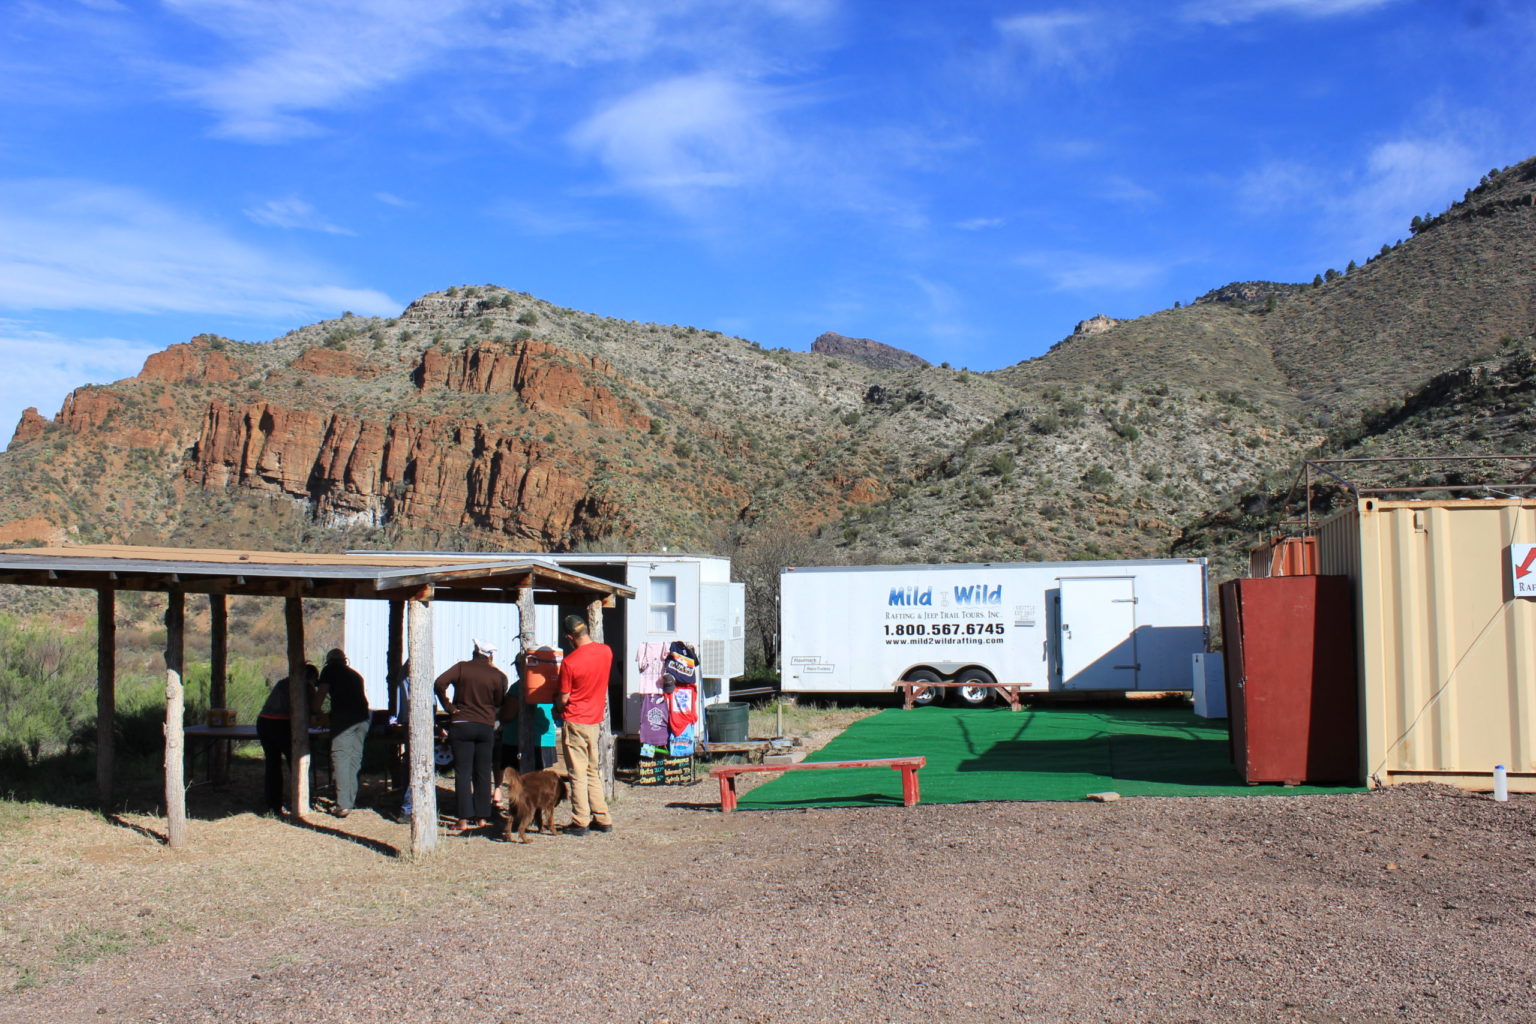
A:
437,472
866,351
483,416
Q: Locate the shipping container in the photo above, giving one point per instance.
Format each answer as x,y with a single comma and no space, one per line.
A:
1445,595
1292,693
1284,556
1113,626
677,597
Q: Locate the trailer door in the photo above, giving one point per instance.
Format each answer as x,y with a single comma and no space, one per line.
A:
1097,633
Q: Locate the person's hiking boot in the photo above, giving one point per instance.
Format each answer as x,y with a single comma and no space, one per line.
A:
601,826
574,829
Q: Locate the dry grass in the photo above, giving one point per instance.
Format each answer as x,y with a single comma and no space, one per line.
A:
77,887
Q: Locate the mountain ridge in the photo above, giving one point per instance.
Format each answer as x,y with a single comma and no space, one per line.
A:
485,417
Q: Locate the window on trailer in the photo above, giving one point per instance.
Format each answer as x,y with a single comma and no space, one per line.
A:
663,604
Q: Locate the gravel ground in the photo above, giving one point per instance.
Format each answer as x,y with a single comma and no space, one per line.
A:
1416,904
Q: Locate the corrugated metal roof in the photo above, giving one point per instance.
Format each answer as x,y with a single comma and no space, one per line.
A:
265,572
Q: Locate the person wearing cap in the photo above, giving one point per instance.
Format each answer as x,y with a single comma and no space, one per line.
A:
349,727
582,703
479,688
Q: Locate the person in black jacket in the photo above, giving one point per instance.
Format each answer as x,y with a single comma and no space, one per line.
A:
349,727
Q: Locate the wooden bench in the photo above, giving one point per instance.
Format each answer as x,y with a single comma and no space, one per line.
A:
908,767
1009,691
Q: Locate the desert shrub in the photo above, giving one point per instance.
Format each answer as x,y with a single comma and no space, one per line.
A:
1098,477
47,687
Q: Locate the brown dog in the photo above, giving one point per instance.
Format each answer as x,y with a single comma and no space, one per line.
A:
531,798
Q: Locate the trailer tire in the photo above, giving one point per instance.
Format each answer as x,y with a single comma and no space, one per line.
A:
931,695
975,696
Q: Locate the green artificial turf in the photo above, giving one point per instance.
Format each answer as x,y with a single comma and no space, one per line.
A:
1035,754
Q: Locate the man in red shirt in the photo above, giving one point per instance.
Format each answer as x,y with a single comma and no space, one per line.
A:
582,703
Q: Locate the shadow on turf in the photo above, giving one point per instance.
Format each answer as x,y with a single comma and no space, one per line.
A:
1166,759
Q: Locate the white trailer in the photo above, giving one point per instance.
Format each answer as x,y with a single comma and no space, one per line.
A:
1045,626
677,597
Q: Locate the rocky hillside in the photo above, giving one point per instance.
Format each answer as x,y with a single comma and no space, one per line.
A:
486,417
865,351
1452,292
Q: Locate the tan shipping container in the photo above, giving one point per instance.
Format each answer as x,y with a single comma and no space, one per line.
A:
1447,653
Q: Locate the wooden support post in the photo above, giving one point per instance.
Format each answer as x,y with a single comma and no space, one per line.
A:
218,679
423,773
175,738
394,657
298,708
218,650
527,737
605,759
106,693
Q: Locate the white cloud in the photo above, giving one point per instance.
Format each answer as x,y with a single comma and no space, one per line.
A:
390,199
942,310
282,62
1120,189
1053,39
297,56
55,366
86,246
687,134
1359,208
1402,178
1075,271
552,219
1070,42
1278,185
293,212
980,223
1225,12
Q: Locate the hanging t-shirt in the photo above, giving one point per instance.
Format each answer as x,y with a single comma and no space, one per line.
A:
682,668
650,657
683,710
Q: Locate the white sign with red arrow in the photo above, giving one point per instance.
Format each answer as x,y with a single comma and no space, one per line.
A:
1522,560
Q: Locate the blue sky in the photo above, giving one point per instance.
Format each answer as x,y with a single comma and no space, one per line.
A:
965,179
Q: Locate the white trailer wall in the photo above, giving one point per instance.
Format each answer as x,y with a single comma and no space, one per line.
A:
1128,625
455,627
677,597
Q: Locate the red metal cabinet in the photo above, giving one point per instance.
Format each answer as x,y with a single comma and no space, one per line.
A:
1292,697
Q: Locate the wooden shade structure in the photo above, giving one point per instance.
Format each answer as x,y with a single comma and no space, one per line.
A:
404,580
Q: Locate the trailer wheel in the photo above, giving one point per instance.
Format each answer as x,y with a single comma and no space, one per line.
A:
928,695
977,695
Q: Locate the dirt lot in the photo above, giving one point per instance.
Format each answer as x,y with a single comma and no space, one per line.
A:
1417,904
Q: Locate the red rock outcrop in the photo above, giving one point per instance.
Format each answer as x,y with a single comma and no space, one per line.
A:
86,409
32,425
31,529
331,362
431,472
545,377
189,362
